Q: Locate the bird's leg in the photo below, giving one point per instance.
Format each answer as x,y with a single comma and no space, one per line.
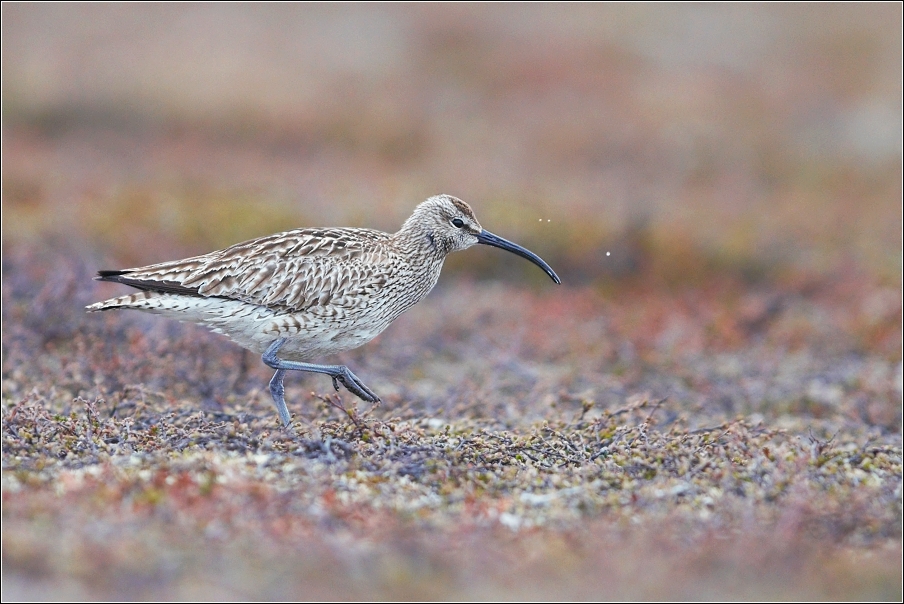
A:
277,391
340,374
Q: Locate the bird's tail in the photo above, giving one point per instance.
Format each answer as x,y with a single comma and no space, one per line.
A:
139,300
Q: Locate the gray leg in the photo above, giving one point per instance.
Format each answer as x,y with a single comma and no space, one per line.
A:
340,374
277,391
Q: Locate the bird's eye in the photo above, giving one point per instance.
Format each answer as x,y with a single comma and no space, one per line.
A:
458,223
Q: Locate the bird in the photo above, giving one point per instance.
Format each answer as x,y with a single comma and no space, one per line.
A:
301,295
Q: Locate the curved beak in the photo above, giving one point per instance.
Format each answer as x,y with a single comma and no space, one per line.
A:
487,238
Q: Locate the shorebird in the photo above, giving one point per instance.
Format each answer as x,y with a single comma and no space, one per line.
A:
305,294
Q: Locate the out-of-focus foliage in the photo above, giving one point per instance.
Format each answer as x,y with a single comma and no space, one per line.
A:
691,138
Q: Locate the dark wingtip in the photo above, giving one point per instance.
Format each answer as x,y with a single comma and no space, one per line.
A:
170,287
109,275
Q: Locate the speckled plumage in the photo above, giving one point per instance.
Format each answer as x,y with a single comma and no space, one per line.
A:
310,293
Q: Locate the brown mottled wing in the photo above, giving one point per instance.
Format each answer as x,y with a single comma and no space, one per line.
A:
290,271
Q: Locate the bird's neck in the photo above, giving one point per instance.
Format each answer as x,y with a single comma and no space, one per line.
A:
424,260
419,245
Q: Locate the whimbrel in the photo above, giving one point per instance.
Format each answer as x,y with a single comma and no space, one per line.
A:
302,295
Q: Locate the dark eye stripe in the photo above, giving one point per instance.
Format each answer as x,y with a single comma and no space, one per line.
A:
458,223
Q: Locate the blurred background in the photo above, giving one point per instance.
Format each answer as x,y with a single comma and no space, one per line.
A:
687,137
719,187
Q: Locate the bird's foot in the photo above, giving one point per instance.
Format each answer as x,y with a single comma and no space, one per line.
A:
355,385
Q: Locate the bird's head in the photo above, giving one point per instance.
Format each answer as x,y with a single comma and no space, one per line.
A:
448,225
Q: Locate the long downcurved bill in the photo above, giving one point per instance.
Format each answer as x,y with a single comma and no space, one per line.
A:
487,238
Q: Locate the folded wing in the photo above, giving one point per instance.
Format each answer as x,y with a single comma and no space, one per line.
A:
288,271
